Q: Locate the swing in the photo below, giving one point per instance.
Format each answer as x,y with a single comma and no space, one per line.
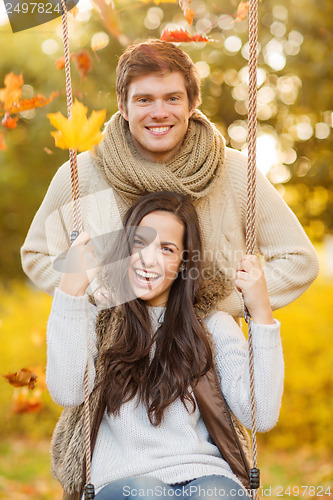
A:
249,236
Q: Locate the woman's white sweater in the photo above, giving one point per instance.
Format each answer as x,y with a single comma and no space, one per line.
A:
179,449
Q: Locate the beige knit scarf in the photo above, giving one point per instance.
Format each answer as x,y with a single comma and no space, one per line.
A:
191,171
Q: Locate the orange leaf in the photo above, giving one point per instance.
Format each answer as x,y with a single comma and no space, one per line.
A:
22,378
3,146
22,403
11,93
242,11
35,102
188,13
83,62
60,63
9,122
181,35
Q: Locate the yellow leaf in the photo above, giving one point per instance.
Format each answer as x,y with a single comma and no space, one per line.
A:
77,132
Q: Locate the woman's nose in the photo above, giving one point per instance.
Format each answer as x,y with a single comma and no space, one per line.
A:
149,256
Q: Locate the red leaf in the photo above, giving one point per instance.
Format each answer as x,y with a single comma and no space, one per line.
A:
181,35
9,122
83,62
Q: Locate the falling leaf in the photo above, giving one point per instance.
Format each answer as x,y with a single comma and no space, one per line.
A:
188,12
48,151
3,146
22,378
12,91
74,11
242,11
99,41
83,62
25,403
108,16
38,101
77,132
9,122
179,35
60,63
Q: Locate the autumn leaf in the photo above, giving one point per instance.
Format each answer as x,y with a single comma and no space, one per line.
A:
180,35
9,122
99,41
22,378
25,403
188,12
83,62
242,11
3,146
60,63
11,93
77,132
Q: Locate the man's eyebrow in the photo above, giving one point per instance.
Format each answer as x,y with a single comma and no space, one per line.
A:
147,94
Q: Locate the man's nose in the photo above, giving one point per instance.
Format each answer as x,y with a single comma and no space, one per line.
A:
160,109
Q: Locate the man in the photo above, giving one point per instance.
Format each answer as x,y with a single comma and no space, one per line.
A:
159,140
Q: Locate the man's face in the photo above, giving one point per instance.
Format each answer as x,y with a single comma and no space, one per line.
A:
157,113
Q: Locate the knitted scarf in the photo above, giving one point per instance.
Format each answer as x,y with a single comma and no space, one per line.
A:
67,447
191,171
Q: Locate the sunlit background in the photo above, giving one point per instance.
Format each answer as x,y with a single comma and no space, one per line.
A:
294,151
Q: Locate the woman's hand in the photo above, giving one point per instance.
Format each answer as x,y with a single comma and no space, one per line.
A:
250,281
81,267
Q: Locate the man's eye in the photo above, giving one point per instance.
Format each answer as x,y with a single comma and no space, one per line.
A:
174,98
143,100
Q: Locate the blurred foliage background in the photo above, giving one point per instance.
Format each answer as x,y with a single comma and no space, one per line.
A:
295,114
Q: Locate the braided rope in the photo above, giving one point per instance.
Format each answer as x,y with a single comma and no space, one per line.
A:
251,204
77,224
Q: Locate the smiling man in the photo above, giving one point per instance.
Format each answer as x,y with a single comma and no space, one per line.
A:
159,140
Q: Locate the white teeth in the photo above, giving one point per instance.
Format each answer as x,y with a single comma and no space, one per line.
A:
144,274
157,130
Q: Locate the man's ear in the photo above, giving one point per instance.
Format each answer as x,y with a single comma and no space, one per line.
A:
122,109
194,107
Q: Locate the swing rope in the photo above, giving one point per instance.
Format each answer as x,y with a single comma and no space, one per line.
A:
77,228
250,218
249,237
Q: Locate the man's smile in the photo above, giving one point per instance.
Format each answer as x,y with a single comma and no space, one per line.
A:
159,130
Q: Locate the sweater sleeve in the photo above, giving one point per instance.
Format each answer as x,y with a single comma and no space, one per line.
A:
232,359
71,344
291,263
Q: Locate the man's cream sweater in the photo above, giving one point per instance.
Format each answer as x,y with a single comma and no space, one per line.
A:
290,266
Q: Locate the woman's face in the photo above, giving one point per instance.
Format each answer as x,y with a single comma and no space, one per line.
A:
155,260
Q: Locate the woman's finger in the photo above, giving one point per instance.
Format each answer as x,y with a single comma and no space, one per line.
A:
82,239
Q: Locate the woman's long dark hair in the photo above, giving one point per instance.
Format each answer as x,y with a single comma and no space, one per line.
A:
182,351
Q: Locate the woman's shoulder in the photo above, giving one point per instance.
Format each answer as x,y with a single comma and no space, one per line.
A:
216,319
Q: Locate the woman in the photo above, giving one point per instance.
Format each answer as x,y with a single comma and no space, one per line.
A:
147,352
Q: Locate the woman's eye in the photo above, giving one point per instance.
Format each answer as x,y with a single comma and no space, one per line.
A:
167,249
138,243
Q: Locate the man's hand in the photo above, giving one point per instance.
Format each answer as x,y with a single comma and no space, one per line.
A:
250,281
81,267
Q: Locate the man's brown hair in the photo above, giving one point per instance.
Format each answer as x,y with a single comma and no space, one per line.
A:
156,56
